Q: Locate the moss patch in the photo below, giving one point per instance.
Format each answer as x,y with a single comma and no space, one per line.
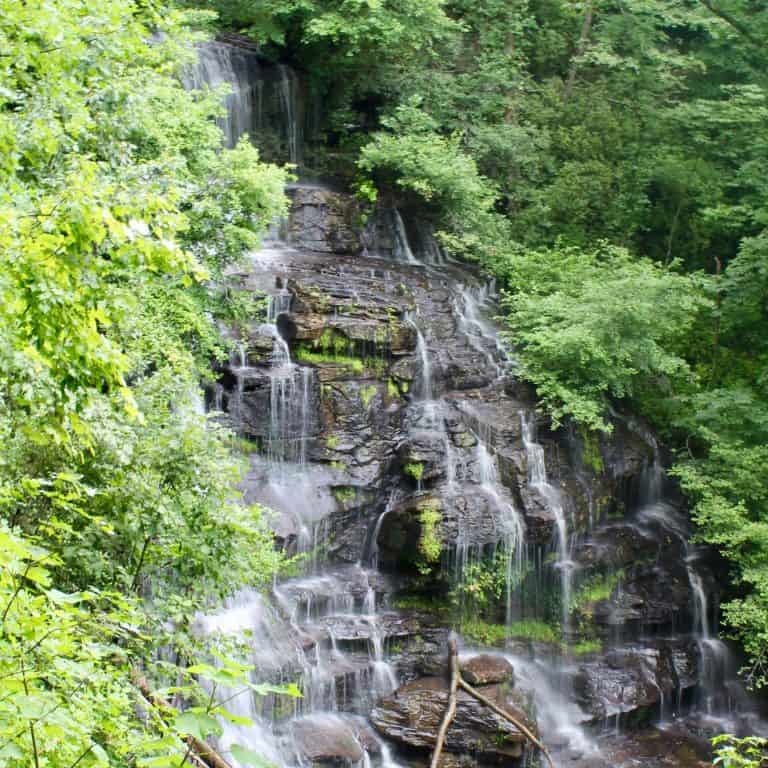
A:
344,494
367,394
415,470
430,539
585,647
595,589
305,354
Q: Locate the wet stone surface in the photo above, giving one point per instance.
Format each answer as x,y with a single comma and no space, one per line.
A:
386,423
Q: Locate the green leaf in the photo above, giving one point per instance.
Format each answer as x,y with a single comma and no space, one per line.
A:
197,724
249,757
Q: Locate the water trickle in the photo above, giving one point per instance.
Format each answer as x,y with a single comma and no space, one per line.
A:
425,366
288,89
401,248
537,478
512,525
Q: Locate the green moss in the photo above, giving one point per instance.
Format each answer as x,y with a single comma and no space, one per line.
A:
306,355
376,365
338,465
482,632
392,389
367,394
493,634
536,631
595,589
332,442
429,604
585,647
430,538
590,453
414,470
344,494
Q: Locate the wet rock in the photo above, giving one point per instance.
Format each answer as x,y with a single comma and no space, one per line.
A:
412,717
322,220
326,740
487,668
631,679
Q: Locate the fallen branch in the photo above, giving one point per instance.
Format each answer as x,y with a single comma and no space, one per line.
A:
203,752
457,681
450,711
507,716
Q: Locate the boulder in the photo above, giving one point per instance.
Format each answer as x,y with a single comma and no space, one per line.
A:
411,716
487,668
631,679
326,740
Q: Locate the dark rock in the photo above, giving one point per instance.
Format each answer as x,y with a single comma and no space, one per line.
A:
322,220
629,679
412,717
487,668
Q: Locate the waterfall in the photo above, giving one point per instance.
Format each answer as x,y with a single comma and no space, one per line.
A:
401,249
513,527
288,90
221,64
537,478
262,97
425,365
654,510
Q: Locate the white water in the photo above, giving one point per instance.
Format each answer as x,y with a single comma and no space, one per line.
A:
512,524
537,478
401,247
255,93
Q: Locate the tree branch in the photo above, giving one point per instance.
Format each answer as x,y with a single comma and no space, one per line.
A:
450,710
202,751
507,716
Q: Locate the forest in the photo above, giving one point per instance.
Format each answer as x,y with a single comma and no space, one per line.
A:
605,161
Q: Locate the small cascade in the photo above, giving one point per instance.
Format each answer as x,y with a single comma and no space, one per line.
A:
429,250
288,90
401,248
263,98
480,334
717,677
425,392
537,478
513,527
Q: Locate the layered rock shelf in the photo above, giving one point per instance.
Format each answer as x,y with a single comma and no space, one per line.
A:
402,456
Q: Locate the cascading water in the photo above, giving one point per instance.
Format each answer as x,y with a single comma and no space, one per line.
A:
513,527
401,248
537,477
330,630
239,69
262,97
288,89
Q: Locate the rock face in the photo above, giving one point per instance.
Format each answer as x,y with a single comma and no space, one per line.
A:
330,740
486,669
635,680
412,717
405,443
